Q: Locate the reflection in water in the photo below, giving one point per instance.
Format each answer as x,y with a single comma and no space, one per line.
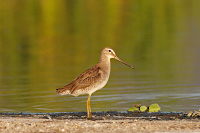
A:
44,46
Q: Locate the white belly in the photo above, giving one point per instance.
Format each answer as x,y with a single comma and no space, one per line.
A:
98,86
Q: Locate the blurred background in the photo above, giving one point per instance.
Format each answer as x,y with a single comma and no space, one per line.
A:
45,44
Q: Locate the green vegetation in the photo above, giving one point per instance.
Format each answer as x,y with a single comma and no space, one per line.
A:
133,109
143,108
138,108
154,108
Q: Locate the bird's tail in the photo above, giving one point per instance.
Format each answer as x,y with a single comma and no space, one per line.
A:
63,91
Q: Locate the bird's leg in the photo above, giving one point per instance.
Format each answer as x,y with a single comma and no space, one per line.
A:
89,114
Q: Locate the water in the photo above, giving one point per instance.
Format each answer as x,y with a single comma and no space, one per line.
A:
45,46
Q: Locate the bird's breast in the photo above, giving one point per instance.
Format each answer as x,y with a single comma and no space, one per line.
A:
101,82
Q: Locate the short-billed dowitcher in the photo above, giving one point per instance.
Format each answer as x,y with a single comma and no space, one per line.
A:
93,79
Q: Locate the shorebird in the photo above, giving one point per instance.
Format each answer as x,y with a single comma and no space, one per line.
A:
92,79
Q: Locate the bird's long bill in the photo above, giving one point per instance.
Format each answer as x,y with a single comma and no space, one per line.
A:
123,62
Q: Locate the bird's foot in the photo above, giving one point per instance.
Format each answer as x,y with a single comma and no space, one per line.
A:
89,118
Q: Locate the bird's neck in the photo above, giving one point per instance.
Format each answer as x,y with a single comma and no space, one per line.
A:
105,64
104,61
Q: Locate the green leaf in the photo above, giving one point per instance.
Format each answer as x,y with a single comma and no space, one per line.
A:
133,109
143,108
154,107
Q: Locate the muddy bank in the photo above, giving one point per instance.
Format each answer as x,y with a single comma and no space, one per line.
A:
103,122
110,115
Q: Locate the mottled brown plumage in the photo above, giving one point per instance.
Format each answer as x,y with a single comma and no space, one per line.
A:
83,81
93,79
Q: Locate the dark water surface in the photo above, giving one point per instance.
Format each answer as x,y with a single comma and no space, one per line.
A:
45,45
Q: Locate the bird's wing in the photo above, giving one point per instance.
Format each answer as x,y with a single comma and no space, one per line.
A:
84,80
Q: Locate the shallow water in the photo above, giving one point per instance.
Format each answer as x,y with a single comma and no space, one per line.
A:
46,47
124,88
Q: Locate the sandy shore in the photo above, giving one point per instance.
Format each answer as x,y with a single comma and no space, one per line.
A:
13,124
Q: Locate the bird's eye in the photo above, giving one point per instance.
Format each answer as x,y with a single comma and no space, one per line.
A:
109,50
